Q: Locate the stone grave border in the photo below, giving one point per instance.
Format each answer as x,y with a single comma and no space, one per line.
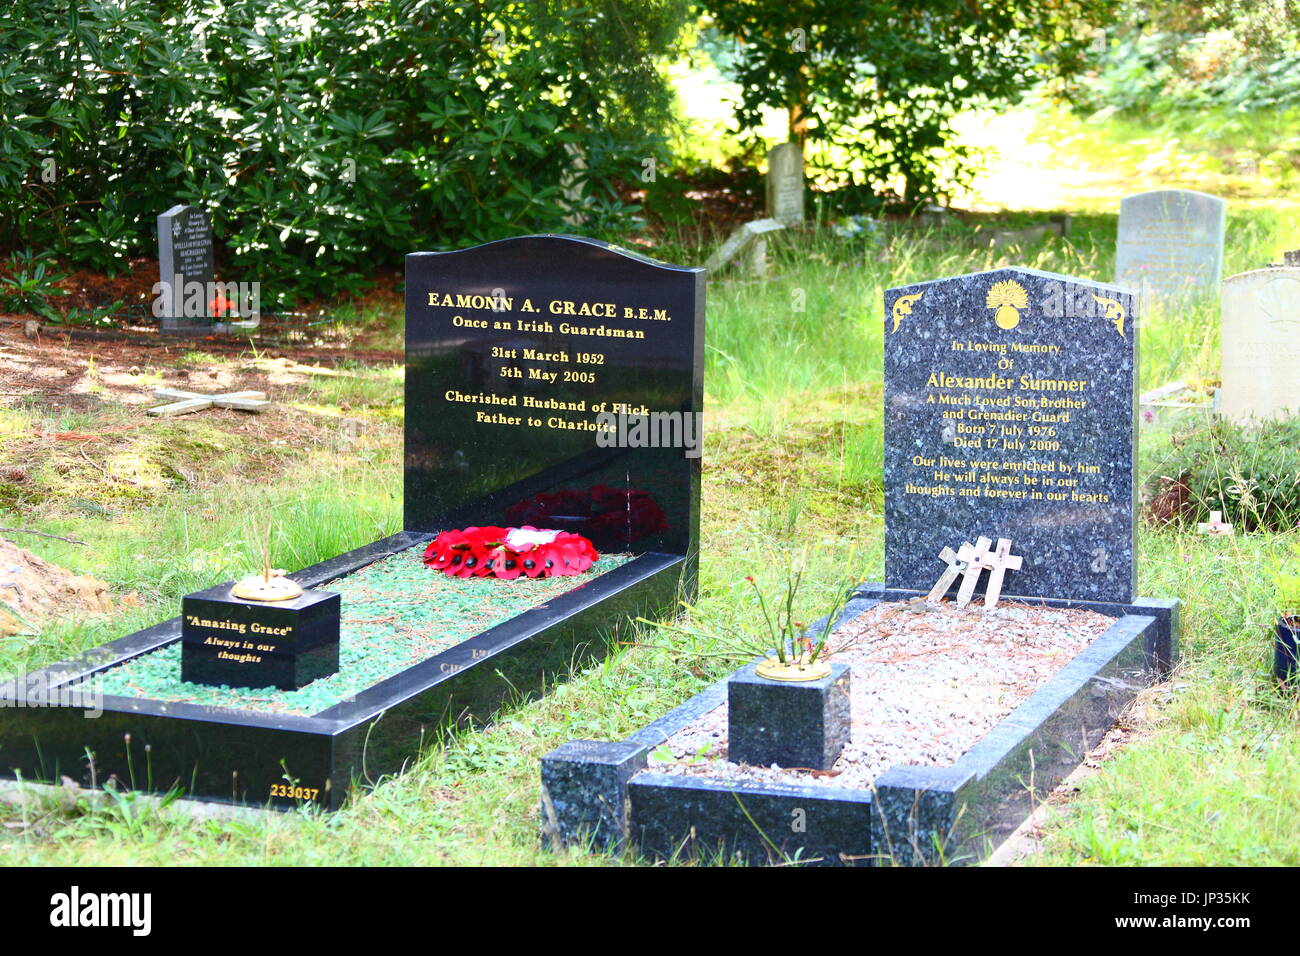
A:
607,795
235,756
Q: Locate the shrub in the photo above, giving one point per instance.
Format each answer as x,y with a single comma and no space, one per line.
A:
26,285
1165,58
324,138
1251,474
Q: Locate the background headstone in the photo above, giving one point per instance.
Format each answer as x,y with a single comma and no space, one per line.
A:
1059,224
571,183
1170,244
747,236
1010,413
514,348
185,249
785,184
1261,344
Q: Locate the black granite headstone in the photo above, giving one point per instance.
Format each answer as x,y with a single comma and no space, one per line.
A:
284,644
1010,412
186,268
557,382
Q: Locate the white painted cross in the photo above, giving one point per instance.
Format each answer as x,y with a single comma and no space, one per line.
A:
1216,525
955,567
1003,561
183,402
977,559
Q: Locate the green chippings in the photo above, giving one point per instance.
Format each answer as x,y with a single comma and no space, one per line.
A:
396,613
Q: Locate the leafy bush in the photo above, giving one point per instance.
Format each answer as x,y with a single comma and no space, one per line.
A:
1251,474
324,138
1190,57
873,87
1286,582
26,285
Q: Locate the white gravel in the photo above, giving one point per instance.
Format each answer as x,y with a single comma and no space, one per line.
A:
926,686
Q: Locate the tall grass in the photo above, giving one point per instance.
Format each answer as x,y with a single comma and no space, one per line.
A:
818,322
195,539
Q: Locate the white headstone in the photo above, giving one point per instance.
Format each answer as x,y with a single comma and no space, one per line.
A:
1170,244
1261,344
741,238
785,184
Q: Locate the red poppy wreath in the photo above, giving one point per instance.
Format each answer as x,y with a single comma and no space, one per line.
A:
509,552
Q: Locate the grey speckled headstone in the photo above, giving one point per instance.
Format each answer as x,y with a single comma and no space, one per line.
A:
1170,244
1261,344
1010,412
185,249
785,184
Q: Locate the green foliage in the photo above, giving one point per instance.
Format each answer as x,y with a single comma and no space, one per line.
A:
1251,474
26,285
882,80
760,627
324,138
1286,581
1193,56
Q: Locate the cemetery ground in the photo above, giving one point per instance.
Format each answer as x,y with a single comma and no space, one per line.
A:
1202,770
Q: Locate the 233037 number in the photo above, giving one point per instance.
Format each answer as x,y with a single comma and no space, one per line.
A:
294,793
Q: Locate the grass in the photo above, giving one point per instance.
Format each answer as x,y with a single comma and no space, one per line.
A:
793,448
1211,775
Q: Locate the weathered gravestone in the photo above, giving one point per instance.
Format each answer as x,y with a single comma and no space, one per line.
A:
785,184
572,183
1261,344
185,268
1170,244
1009,412
749,238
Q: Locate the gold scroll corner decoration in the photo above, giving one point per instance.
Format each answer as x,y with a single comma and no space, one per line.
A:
903,307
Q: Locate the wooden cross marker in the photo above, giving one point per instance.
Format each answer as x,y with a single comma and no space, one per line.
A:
955,567
182,403
1003,561
1216,525
977,559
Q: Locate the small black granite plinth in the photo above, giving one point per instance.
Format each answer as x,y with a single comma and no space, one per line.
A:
584,792
284,644
787,723
1286,649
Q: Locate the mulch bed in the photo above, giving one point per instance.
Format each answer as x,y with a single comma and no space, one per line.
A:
926,686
